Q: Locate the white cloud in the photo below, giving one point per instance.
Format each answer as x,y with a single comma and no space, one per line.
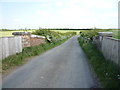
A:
43,13
98,4
25,0
59,4
72,13
111,15
91,3
17,20
1,18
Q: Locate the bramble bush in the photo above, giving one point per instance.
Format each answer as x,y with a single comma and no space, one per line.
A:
54,35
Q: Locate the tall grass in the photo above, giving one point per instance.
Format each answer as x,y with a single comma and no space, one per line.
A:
106,70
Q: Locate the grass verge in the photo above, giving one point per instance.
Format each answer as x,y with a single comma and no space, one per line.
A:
107,71
19,58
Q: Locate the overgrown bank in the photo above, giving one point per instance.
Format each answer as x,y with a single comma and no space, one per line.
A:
19,58
106,71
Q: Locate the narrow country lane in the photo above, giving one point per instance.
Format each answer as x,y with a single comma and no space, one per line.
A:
64,66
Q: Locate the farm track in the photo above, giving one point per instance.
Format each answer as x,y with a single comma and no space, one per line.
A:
64,66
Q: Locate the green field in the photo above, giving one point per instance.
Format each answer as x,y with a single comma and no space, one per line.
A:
64,31
9,33
116,34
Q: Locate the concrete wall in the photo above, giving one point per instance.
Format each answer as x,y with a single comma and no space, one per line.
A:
10,46
110,49
15,44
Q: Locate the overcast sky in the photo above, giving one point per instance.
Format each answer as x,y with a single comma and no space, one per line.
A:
16,14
